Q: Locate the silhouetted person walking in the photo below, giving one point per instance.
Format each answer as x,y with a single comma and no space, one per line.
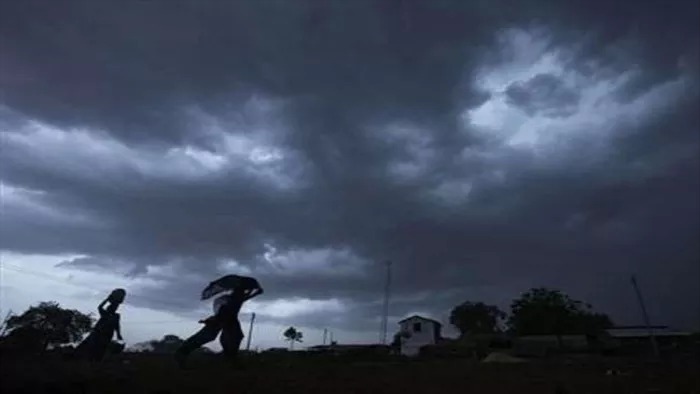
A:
96,344
225,318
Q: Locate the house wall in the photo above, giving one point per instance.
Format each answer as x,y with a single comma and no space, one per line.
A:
426,336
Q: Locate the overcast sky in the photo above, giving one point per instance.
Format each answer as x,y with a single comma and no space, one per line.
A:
485,147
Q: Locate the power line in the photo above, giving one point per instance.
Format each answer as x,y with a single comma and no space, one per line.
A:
43,275
16,268
54,278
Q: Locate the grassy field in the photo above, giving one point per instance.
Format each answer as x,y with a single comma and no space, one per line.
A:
141,373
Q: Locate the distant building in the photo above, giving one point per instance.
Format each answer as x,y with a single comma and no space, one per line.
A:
621,339
638,336
542,345
642,332
351,349
417,332
277,350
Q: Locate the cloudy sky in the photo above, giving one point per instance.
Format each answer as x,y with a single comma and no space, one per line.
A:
485,147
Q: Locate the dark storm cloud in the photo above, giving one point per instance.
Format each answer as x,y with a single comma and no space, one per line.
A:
217,54
140,78
544,93
650,36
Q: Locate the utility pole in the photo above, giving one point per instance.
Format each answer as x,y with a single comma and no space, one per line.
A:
385,307
250,332
652,338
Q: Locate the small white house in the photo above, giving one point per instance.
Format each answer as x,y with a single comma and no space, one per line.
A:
416,332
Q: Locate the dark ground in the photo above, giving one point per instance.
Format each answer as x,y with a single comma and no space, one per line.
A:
141,373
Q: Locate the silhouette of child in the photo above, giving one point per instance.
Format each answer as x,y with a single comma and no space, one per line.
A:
96,344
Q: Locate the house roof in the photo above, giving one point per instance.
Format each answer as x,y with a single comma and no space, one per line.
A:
639,332
420,318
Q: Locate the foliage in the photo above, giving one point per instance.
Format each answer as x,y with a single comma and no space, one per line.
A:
23,340
476,318
168,344
293,335
49,324
396,341
546,311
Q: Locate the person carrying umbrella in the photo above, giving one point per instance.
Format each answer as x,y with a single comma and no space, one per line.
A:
225,318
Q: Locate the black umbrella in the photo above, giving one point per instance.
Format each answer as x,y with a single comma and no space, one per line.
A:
226,283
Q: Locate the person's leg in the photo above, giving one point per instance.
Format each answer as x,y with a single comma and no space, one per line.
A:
84,349
231,337
205,335
92,347
99,346
103,338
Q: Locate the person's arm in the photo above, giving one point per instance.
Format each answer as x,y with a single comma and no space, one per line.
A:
119,329
101,307
254,292
209,319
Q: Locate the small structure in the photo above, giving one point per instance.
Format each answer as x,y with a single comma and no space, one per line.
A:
642,332
544,345
351,349
416,332
636,338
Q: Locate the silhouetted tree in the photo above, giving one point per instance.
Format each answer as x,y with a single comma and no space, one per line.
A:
168,344
398,339
476,318
292,335
547,311
48,324
396,342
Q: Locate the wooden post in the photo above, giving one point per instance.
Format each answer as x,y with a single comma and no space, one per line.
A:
385,306
250,332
